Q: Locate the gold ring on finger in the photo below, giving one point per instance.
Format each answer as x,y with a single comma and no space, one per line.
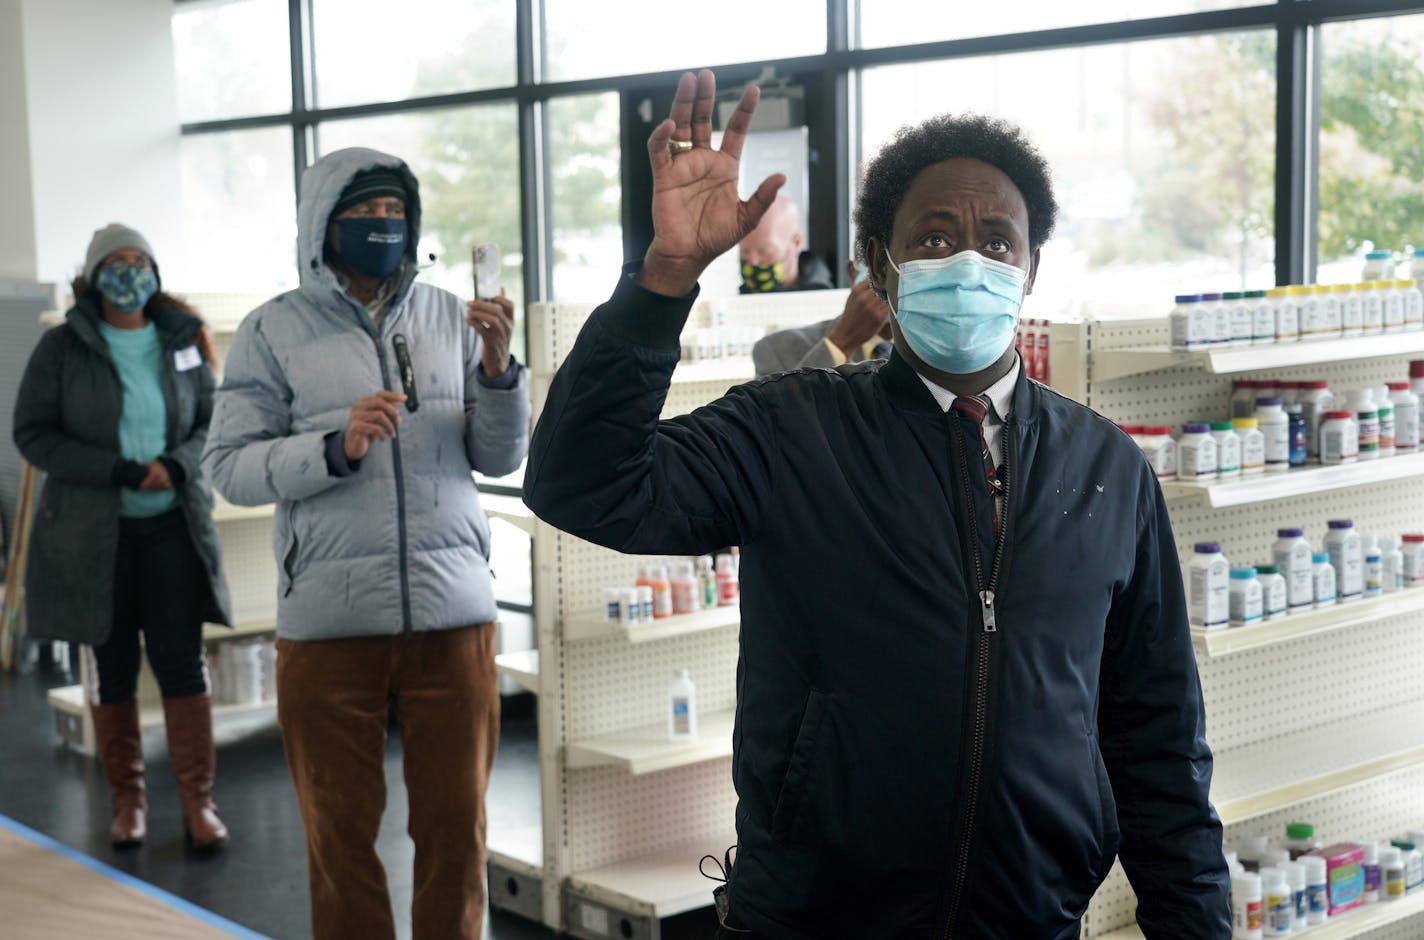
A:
676,147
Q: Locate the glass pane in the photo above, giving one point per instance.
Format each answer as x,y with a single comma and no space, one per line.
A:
1165,182
584,156
467,161
624,37
239,213
232,58
1371,143
903,22
373,50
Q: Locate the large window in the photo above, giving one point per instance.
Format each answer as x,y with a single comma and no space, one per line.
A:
1371,142
231,58
374,50
1164,181
586,192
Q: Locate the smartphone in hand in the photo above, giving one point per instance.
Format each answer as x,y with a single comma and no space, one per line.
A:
486,265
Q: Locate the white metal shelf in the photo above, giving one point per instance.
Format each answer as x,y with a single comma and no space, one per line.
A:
1264,776
71,701
1357,923
523,667
591,628
1272,486
511,509
519,848
1216,643
647,749
734,370
261,627
1110,364
661,884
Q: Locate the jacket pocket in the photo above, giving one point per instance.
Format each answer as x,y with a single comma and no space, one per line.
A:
1109,835
794,785
290,552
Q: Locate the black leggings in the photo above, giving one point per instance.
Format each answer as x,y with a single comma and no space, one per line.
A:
160,587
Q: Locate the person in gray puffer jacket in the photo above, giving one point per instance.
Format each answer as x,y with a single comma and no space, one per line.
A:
384,591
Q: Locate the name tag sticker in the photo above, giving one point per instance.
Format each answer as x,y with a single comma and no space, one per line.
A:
187,358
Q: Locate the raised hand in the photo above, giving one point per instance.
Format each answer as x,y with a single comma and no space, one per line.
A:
493,320
697,214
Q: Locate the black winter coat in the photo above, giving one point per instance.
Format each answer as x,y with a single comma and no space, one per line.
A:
901,770
67,424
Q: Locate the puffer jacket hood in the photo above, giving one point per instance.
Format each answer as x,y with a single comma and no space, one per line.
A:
321,187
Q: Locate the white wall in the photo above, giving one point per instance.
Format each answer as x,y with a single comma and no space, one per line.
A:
100,128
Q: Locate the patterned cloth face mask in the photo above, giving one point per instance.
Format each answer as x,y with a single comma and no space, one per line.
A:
127,286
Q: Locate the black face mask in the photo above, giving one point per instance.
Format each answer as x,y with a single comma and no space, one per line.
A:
372,246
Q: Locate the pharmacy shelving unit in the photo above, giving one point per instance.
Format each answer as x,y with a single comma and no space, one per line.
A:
626,814
1319,716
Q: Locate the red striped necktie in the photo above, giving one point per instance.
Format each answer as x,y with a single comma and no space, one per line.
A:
976,409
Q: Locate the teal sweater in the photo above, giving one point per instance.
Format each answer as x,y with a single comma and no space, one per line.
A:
143,429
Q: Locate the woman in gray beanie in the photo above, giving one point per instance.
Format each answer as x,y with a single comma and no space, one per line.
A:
114,408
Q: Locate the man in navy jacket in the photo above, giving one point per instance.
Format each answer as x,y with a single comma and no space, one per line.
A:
966,680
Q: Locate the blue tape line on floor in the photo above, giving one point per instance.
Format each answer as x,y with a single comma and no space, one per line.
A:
143,887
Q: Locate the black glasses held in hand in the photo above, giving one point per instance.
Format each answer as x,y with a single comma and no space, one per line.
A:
407,371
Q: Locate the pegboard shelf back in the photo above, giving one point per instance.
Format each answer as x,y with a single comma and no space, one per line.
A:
590,628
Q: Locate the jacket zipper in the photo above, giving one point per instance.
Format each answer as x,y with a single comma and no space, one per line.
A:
400,496
983,660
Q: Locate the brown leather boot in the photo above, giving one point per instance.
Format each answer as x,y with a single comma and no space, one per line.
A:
120,749
190,748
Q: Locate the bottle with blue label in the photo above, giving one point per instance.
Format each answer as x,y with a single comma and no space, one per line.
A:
1245,597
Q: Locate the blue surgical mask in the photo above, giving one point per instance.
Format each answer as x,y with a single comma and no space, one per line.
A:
959,313
127,286
372,246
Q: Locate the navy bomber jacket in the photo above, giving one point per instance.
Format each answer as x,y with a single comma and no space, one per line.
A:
901,770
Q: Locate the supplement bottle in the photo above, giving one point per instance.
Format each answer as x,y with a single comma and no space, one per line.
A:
1413,304
1332,305
1287,315
1186,325
1296,436
727,588
1217,318
1317,889
1416,377
1243,398
1245,600
1372,319
686,591
1323,574
1339,438
1279,903
1160,450
1406,417
1371,867
1342,543
1263,318
1393,560
1391,865
1315,400
1208,588
1228,449
655,577
1251,850
1273,591
1295,877
1275,429
682,707
1384,407
1413,552
1379,265
1393,306
1253,445
1196,453
1239,315
1374,566
1352,309
1416,264
1362,403
1246,915
707,578
1307,306
1292,556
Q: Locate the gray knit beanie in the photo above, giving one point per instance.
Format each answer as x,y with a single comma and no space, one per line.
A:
109,239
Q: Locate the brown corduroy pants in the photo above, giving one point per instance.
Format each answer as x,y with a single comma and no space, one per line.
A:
332,704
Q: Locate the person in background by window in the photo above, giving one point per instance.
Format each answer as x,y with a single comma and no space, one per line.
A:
114,408
384,583
861,332
772,258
